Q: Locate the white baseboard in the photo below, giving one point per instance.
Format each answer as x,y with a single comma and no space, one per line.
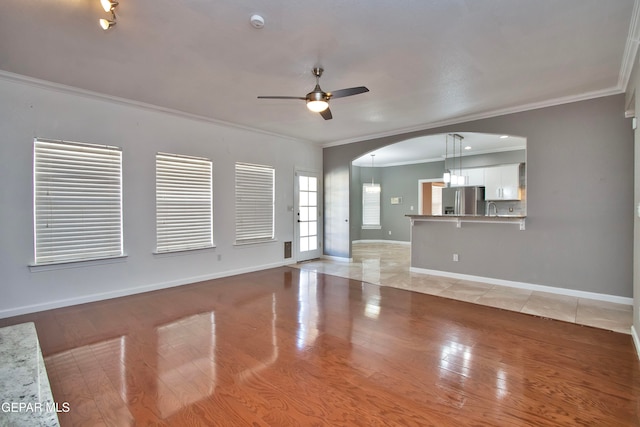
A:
529,286
395,242
636,340
132,291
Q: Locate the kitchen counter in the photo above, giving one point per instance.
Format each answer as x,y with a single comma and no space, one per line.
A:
460,219
25,393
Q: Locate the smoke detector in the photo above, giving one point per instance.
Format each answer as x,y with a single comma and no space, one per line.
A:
257,21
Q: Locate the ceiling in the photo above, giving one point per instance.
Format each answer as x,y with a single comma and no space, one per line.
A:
426,62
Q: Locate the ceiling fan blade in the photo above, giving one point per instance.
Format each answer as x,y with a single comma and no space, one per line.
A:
341,93
282,97
326,114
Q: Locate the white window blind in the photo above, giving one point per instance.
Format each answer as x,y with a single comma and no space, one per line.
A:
184,199
255,191
371,206
77,201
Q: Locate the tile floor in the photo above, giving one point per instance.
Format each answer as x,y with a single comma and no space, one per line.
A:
387,264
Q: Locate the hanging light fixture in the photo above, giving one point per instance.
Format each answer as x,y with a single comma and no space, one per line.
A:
372,188
461,178
446,177
108,6
454,176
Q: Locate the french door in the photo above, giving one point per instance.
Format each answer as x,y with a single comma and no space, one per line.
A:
307,210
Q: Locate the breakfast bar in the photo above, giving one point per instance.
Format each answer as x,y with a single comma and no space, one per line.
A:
460,219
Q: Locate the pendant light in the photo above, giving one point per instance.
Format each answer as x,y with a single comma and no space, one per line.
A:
454,176
461,179
446,177
372,188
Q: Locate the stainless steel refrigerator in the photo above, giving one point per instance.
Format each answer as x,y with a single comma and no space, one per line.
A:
463,200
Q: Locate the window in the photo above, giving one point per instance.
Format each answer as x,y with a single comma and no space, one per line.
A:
184,203
255,190
371,206
77,201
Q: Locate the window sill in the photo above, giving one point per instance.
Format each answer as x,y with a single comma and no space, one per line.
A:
177,252
372,227
36,268
257,242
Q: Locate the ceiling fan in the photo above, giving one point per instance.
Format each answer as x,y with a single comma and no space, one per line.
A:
318,100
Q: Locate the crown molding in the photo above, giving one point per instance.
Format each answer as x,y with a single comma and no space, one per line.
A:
71,90
483,115
45,84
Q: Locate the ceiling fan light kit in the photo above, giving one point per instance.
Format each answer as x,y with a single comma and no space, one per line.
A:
318,100
317,106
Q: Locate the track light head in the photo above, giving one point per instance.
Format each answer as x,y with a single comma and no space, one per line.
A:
108,5
106,24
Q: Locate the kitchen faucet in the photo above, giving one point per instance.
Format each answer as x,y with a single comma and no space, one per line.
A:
495,209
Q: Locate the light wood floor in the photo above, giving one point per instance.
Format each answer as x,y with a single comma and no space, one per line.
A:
286,347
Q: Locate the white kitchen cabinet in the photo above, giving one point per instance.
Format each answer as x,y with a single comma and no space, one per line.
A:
475,176
502,182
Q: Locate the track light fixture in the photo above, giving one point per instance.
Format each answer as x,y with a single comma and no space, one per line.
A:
108,6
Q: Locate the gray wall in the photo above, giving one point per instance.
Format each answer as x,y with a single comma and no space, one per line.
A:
28,111
579,197
395,181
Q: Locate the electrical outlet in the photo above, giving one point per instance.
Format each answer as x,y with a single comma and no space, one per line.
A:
219,257
389,232
455,257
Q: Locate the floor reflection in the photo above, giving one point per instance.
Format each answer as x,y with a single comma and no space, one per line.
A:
265,362
186,352
307,309
371,298
102,367
502,389
456,358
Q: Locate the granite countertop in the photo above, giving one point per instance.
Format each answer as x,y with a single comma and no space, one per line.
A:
25,393
460,219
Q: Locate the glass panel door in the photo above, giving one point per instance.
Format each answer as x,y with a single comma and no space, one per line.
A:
307,216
